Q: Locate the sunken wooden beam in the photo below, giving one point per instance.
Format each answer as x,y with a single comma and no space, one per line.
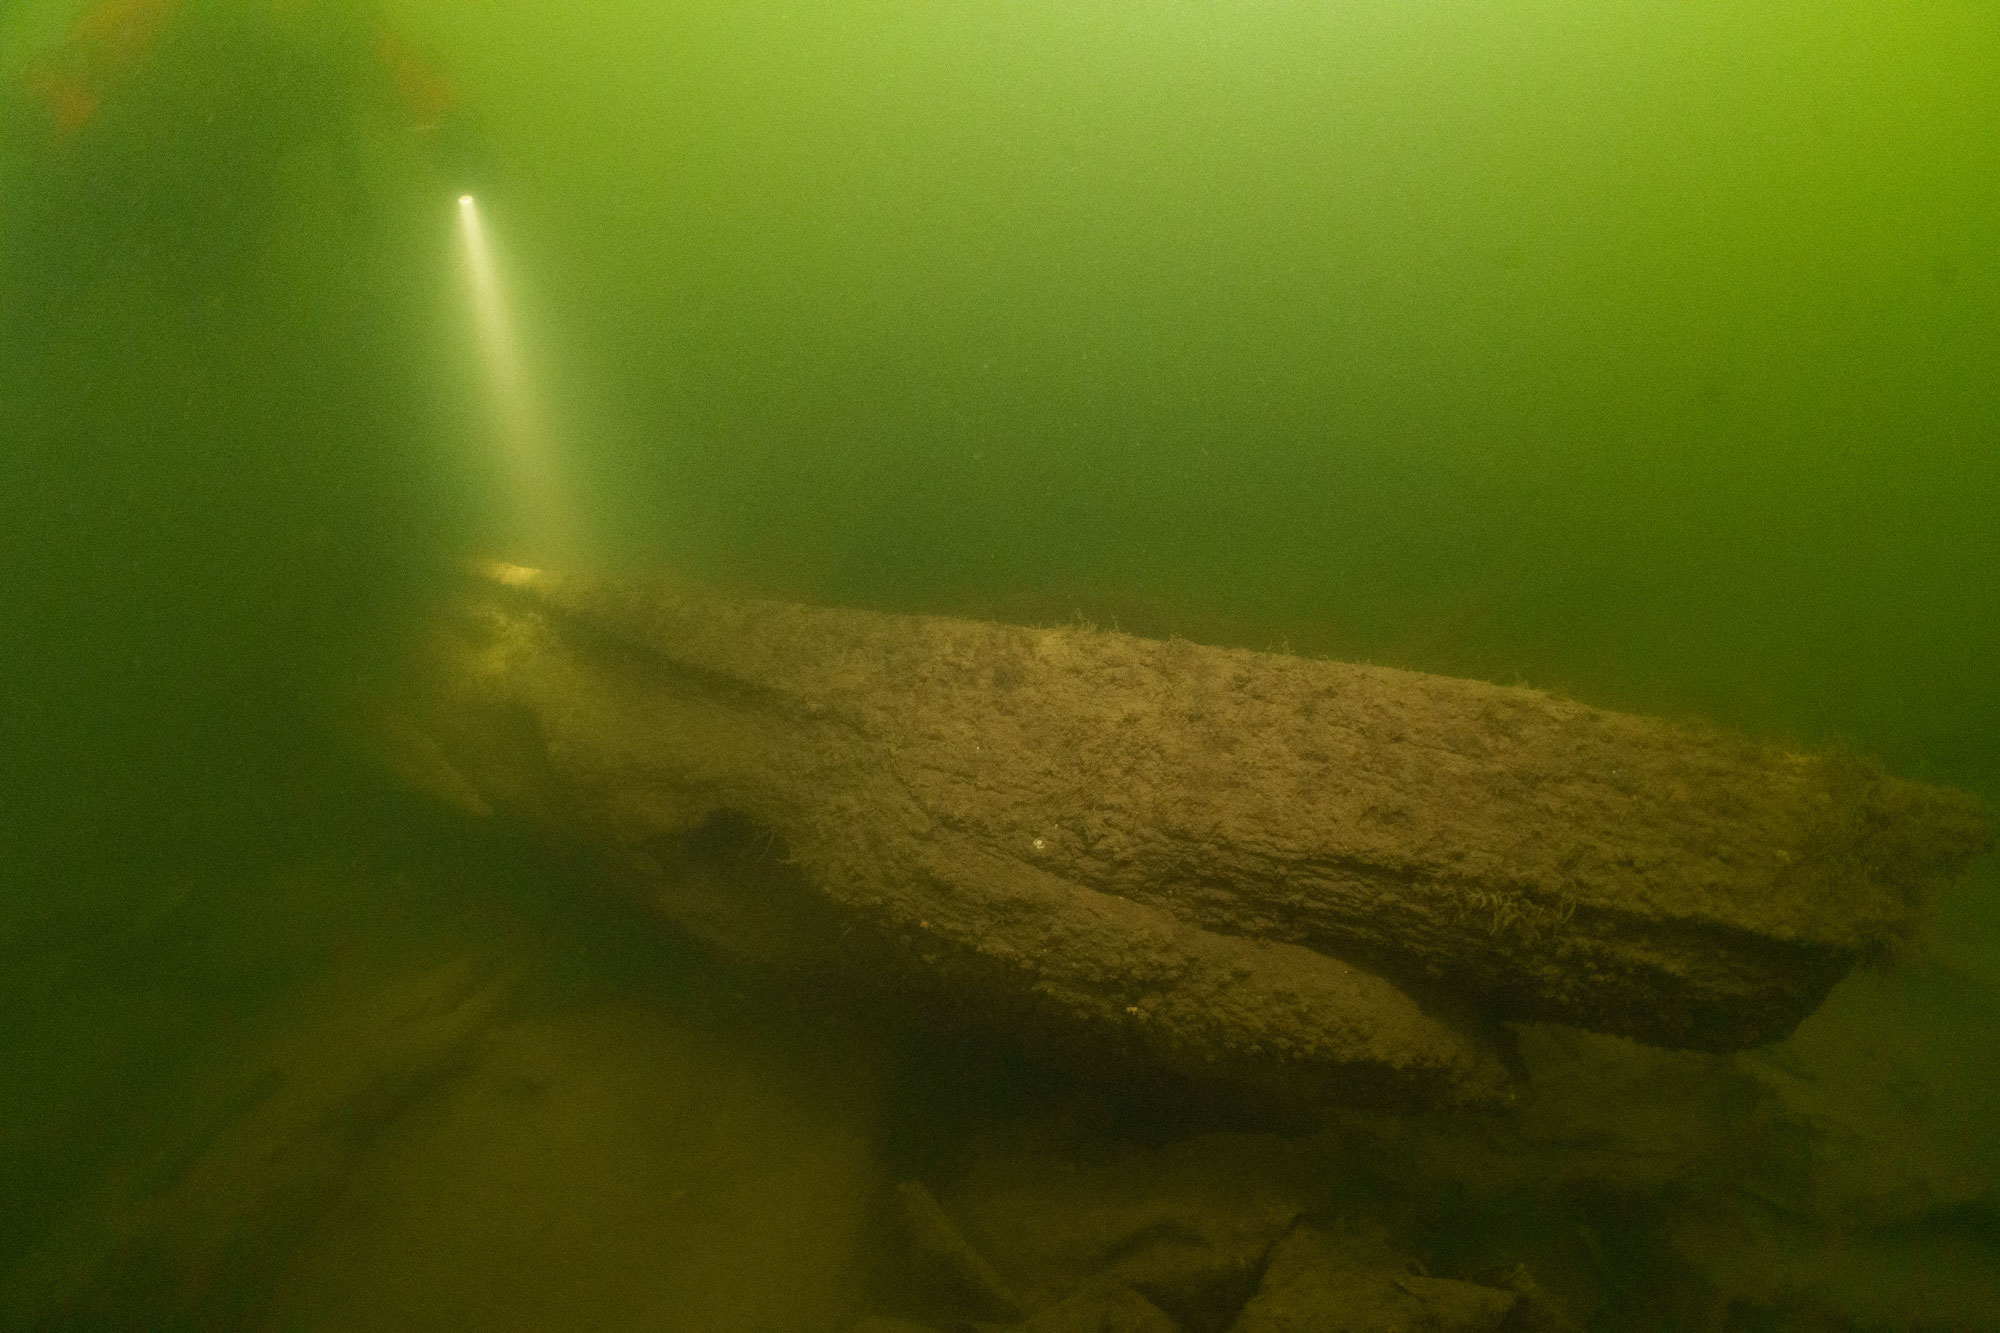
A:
1260,869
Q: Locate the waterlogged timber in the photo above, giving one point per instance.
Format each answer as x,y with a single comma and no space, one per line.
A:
1297,880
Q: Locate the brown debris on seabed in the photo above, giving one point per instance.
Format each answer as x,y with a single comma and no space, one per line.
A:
1291,881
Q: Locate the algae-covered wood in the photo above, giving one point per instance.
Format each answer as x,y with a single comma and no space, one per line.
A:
1232,864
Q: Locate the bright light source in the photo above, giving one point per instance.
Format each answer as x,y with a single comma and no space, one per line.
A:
535,500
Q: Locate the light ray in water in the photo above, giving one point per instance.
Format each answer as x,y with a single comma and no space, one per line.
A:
537,515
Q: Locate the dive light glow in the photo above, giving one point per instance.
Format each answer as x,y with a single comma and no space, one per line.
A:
528,447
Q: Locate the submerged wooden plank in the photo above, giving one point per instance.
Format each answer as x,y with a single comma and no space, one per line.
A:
1230,864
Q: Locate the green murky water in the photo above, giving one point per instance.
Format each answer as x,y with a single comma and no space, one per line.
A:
1641,351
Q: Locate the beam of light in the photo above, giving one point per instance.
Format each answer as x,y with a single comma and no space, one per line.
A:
528,453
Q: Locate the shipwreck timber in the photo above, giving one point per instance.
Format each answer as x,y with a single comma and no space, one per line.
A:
1291,876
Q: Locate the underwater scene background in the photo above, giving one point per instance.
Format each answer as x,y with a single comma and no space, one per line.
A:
1640,351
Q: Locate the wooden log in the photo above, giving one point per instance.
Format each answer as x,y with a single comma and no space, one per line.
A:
1235,866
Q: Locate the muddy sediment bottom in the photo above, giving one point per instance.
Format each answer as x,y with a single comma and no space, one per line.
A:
500,1099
